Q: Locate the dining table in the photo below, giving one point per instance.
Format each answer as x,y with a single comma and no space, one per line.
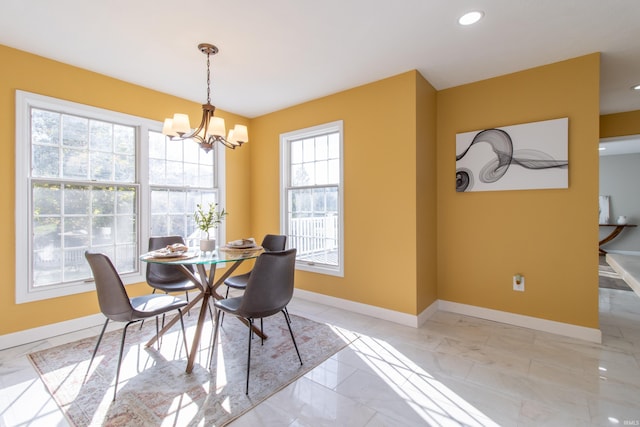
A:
205,281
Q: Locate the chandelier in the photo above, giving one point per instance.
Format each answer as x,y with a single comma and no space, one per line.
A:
211,129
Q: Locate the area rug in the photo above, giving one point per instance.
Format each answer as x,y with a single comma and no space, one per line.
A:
609,278
154,389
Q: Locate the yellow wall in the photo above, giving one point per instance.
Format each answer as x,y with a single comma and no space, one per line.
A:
409,237
426,194
381,143
32,73
620,124
549,236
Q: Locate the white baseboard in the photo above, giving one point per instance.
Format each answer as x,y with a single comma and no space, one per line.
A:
427,313
44,332
574,331
47,331
535,323
558,328
356,307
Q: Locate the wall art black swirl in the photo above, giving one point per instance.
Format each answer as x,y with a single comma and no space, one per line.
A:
519,157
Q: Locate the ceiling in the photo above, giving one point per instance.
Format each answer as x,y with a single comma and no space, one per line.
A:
279,53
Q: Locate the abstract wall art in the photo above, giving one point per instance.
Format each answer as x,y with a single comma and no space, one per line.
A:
519,157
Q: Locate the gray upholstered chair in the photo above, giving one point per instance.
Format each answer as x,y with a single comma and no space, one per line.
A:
269,290
167,278
271,242
116,305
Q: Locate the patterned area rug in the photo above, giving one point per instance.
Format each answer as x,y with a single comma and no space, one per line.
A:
608,278
155,390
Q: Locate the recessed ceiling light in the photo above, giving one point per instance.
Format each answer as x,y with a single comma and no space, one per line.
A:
602,148
636,87
470,18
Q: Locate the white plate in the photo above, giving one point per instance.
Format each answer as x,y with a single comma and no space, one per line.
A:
163,254
245,246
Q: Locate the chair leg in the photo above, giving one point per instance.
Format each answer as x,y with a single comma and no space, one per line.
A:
225,296
124,334
184,335
142,322
158,332
215,338
261,332
95,350
286,312
292,337
186,295
249,355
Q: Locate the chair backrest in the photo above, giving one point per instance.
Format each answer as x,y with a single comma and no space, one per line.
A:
112,297
270,286
159,273
274,242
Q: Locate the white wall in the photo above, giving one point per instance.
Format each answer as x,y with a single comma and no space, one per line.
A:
620,179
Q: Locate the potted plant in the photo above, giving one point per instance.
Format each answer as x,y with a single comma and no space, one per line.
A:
206,220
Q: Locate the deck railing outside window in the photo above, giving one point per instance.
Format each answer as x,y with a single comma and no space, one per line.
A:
315,238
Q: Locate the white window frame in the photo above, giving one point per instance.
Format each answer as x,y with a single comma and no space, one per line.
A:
25,291
218,152
285,140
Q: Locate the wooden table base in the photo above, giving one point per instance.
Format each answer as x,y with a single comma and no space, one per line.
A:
208,290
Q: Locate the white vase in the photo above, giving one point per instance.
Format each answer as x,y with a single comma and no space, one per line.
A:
208,245
622,220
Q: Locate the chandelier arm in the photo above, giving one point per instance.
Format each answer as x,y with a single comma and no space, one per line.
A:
227,144
199,133
222,140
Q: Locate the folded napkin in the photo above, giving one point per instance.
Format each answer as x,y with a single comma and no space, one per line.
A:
177,247
242,243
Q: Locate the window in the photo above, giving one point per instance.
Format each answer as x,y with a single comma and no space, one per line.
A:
181,175
82,184
311,212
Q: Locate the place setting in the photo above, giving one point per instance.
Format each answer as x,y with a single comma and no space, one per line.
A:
172,252
241,246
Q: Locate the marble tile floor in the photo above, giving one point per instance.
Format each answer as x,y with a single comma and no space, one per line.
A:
453,371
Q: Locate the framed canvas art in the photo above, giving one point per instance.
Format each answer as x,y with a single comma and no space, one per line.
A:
519,157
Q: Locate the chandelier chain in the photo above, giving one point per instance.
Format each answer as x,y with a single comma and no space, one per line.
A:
208,80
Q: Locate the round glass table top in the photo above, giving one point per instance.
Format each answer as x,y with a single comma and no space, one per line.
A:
195,256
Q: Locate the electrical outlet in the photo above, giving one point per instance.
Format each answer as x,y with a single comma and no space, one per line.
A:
518,283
